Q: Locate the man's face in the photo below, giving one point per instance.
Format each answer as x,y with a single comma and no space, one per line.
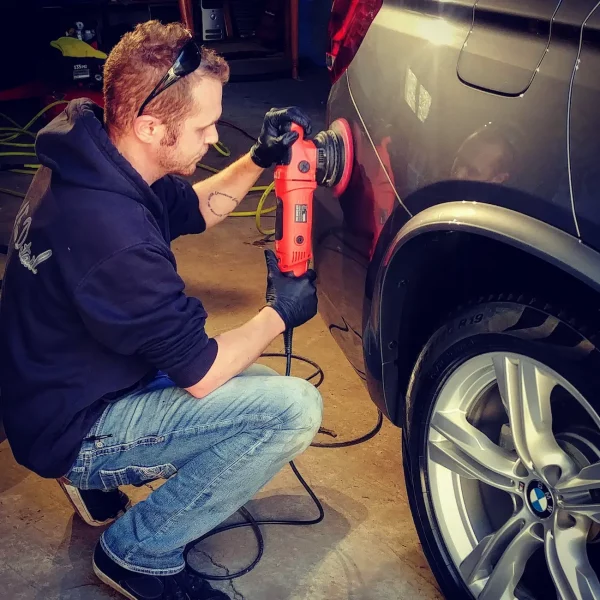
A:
197,132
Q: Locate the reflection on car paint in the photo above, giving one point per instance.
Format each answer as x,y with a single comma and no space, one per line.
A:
416,96
374,179
346,234
486,155
345,328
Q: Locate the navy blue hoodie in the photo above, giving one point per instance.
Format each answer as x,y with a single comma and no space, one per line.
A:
92,305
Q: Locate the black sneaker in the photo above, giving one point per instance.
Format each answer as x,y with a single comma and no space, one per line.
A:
95,507
137,586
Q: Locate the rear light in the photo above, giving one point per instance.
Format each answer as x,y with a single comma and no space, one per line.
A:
348,25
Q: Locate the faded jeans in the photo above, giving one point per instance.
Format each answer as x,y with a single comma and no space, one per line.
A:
216,454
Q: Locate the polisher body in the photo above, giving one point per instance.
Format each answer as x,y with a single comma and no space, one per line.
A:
295,184
325,160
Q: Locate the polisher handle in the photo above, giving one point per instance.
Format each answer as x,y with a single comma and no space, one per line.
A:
293,225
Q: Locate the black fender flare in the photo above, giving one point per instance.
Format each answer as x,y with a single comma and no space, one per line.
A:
530,235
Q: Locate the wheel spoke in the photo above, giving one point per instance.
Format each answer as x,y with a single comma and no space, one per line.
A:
480,561
570,568
591,511
525,391
509,569
587,479
468,452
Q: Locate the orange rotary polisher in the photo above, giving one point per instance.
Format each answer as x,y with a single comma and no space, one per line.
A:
325,161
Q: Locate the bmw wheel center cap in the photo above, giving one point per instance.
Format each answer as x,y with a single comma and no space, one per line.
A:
540,499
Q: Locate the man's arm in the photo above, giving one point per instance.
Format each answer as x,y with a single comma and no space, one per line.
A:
291,301
148,315
220,194
238,349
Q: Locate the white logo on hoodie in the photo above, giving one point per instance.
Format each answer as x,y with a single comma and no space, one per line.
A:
20,233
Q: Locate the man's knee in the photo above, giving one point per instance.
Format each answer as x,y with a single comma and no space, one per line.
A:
258,370
303,406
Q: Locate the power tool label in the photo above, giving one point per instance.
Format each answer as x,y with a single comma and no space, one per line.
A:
301,213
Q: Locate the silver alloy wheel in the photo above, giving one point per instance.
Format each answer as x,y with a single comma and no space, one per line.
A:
504,484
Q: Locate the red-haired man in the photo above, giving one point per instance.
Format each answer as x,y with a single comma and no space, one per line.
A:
109,377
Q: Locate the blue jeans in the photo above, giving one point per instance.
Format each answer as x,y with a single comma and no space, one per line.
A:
215,453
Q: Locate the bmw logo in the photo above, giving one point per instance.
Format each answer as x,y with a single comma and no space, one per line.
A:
540,499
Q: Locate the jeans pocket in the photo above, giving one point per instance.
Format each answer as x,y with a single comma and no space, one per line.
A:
135,475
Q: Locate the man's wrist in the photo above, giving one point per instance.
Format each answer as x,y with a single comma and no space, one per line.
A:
274,319
253,162
256,157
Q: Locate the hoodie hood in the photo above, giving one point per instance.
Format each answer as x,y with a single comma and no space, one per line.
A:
76,147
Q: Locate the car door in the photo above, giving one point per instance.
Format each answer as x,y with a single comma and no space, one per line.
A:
583,129
448,100
474,101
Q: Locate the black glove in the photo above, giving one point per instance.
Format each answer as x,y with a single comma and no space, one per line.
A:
293,298
275,137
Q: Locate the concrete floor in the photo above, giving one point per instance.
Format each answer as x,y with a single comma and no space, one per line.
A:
366,548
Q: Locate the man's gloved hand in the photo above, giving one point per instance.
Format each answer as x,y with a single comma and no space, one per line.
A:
293,298
275,137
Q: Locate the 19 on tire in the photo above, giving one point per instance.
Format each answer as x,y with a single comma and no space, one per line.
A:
502,453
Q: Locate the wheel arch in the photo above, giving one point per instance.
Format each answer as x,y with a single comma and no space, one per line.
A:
451,254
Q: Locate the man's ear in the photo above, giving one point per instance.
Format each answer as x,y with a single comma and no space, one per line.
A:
147,129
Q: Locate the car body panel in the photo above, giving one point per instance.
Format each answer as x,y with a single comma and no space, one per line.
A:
501,27
584,125
346,231
424,139
443,131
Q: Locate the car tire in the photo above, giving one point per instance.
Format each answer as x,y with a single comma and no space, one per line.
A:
451,471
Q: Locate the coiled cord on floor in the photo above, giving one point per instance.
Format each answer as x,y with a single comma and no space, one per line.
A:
255,524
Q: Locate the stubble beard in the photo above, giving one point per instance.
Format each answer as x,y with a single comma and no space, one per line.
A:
170,163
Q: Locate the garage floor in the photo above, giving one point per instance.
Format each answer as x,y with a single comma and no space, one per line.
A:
366,548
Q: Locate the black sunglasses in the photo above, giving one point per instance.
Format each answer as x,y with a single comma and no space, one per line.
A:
187,61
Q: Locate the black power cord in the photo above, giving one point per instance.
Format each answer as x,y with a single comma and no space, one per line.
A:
255,524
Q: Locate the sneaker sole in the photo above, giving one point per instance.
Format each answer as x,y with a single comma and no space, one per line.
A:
81,509
111,583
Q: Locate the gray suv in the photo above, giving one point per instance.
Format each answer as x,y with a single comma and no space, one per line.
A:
460,274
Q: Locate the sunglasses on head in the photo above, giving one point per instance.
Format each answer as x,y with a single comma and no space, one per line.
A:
187,61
